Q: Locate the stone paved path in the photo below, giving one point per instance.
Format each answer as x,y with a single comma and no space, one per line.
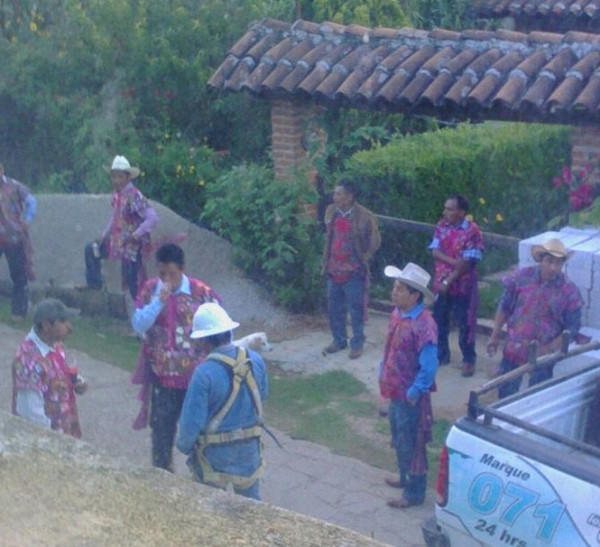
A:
303,477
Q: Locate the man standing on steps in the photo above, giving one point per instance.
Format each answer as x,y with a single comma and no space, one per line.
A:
351,241
163,316
407,378
457,248
127,236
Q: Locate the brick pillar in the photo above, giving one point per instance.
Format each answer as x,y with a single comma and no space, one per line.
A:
585,149
288,123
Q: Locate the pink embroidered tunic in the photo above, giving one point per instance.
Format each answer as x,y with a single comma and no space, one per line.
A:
342,261
15,209
131,210
407,336
167,354
405,340
536,310
49,376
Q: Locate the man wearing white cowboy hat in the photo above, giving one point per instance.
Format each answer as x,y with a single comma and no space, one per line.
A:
538,304
221,420
407,378
127,236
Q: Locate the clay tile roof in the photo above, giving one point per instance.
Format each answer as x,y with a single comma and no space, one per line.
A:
547,14
507,75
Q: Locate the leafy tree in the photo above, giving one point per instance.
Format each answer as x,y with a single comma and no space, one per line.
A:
370,13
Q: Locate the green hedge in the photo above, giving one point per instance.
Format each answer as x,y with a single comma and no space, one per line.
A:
501,168
505,170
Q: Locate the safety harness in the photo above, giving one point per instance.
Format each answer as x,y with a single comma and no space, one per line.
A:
241,374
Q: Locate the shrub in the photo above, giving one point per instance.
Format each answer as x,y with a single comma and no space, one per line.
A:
503,170
274,241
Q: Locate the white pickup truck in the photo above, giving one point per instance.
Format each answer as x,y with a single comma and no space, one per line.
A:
520,471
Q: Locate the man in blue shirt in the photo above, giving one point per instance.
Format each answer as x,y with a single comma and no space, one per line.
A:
221,420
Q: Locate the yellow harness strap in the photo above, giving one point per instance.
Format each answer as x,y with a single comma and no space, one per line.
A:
242,373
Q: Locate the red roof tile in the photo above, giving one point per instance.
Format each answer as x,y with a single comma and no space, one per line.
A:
507,75
546,14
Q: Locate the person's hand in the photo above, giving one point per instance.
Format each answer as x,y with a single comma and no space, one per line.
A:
444,286
165,291
492,346
80,387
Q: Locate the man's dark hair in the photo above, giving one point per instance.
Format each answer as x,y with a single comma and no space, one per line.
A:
461,202
412,290
349,187
220,339
170,253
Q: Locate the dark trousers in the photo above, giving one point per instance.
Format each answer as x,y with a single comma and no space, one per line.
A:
404,423
164,415
93,269
458,306
512,386
15,257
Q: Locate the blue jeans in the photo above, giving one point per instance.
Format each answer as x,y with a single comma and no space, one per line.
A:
404,423
458,306
341,297
511,387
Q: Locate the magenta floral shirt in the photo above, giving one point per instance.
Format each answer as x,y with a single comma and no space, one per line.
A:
463,241
129,211
537,310
49,376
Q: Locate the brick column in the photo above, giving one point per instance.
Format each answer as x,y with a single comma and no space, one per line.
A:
288,124
585,149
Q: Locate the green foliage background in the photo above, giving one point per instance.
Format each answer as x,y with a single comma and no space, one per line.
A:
273,239
504,170
83,81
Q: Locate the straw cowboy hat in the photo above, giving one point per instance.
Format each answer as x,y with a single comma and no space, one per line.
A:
121,163
414,276
553,247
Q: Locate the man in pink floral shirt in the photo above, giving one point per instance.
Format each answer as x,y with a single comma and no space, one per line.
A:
127,236
538,304
457,248
44,387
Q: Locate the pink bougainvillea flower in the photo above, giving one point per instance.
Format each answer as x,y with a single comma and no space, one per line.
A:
557,182
566,175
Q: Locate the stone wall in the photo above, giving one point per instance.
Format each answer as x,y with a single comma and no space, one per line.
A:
59,491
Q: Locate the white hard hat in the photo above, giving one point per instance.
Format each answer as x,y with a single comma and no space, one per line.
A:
209,319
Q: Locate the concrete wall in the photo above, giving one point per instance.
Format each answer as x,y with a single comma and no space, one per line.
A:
65,223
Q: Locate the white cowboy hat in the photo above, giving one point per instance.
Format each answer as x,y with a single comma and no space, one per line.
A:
554,247
121,163
209,319
414,276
